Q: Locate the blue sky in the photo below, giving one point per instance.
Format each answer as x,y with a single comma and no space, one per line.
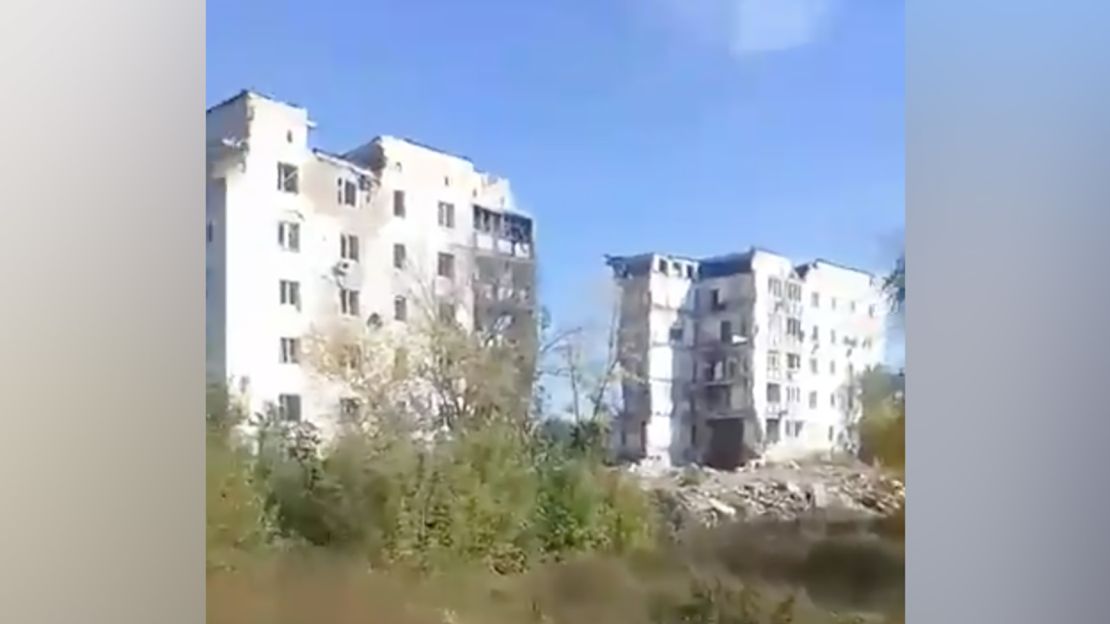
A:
691,126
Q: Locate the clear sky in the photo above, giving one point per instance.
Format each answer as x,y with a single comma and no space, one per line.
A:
691,126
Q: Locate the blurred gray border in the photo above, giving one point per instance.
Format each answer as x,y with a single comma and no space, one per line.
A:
1008,354
102,312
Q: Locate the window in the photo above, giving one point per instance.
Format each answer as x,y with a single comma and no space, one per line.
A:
832,336
663,266
348,302
813,400
715,299
871,311
773,360
773,430
832,400
793,291
690,271
693,435
287,178
830,433
832,367
832,303
852,306
290,293
445,267
346,192
374,320
399,204
793,395
288,136
816,334
398,256
798,425
290,351
774,393
446,215
446,181
793,361
813,365
349,408
446,313
289,236
851,370
774,284
400,309
815,300
208,229
348,247
289,407
794,327
676,334
726,331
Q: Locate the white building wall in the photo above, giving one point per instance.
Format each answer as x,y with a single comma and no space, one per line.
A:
245,262
758,317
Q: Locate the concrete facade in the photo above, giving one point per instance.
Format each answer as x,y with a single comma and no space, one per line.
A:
299,239
742,356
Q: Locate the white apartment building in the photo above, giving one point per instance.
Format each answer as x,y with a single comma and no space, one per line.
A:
742,356
299,239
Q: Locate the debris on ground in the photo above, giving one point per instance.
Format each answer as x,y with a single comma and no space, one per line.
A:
783,492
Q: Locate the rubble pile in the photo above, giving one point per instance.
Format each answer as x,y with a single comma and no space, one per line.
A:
786,492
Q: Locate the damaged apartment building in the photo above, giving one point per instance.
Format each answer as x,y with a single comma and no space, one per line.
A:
300,239
741,356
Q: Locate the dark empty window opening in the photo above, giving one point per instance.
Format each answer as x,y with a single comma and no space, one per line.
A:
400,309
445,267
289,407
399,204
398,256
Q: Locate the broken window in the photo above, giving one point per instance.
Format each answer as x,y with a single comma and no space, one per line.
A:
289,236
715,301
726,331
287,178
445,267
399,204
773,430
348,247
